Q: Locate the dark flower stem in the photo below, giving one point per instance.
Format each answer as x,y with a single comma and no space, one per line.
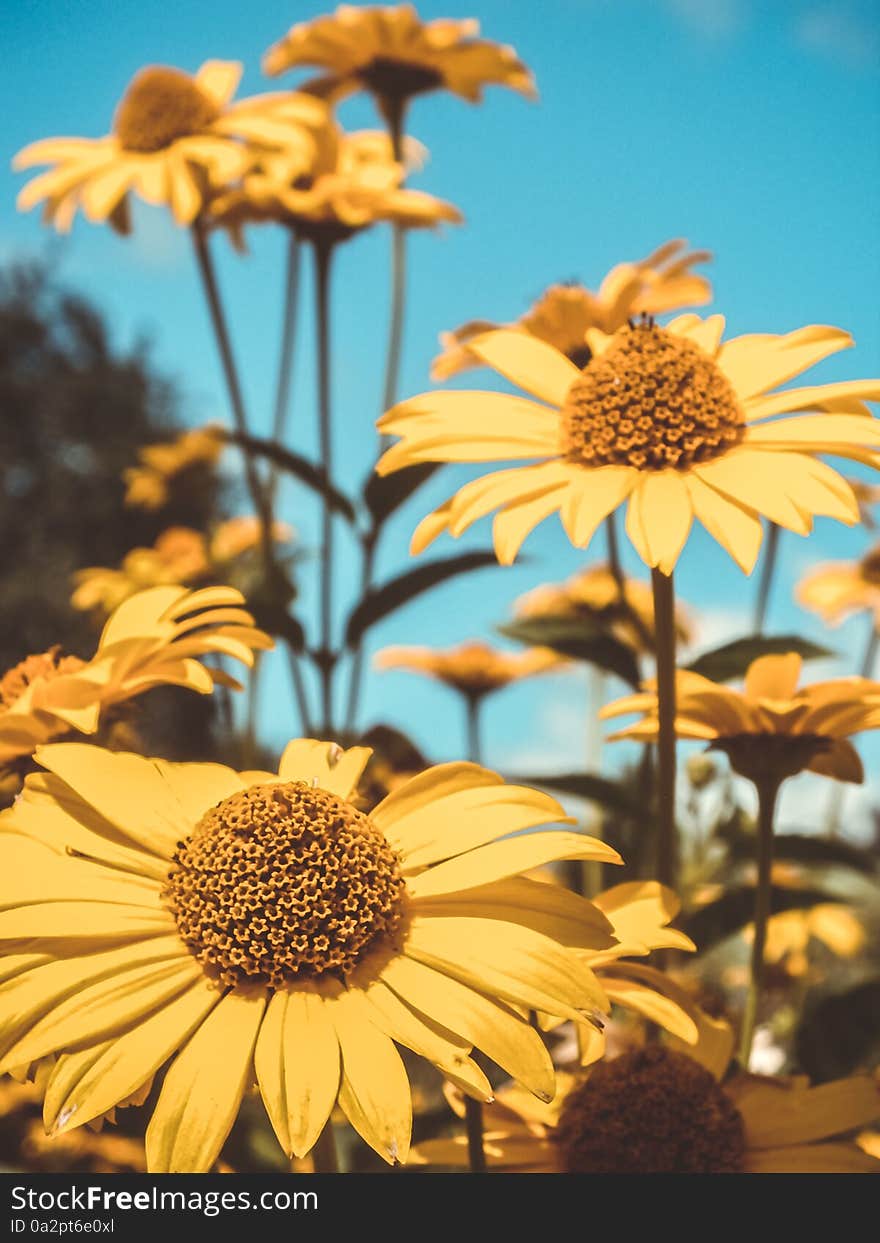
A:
259,498
324,1154
664,624
394,112
767,795
323,257
765,583
288,346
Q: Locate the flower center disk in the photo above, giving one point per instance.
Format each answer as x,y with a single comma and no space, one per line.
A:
42,667
650,1112
160,106
653,401
283,883
395,79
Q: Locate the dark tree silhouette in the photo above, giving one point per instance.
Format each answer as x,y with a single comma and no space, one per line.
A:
73,413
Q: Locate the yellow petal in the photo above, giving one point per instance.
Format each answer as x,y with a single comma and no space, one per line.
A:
757,363
457,807
375,1093
335,770
107,1006
509,961
518,520
446,1051
735,527
659,518
545,907
86,1084
127,790
528,362
219,79
501,1034
506,858
594,495
773,677
811,1159
776,1115
297,1064
652,1005
202,1091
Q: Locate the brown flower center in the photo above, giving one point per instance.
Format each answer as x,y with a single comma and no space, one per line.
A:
283,883
652,401
41,667
160,106
650,1112
398,80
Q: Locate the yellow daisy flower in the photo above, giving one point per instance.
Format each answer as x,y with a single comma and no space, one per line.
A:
178,557
353,182
391,52
771,728
594,594
789,935
473,668
639,913
564,314
838,590
175,137
867,495
237,536
257,926
658,1111
147,485
154,639
668,419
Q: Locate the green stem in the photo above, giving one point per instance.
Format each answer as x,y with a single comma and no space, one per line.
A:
473,1123
253,713
838,790
288,344
395,114
357,661
260,500
767,794
768,570
664,625
614,562
474,735
323,257
324,1154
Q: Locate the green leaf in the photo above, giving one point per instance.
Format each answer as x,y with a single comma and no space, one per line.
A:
609,794
731,660
808,850
301,468
714,922
840,1033
383,494
383,600
579,639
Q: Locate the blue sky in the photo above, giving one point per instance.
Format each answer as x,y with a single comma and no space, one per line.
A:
750,129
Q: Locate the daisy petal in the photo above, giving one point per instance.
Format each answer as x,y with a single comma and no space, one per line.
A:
202,1091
